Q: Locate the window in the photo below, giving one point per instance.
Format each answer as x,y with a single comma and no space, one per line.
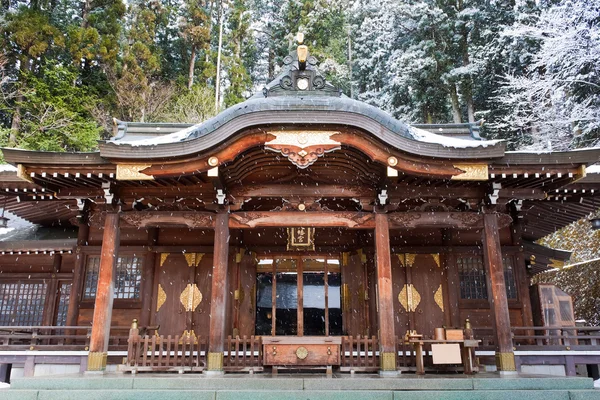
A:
472,275
22,304
63,303
509,278
471,272
128,277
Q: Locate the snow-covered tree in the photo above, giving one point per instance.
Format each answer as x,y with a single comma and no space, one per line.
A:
556,101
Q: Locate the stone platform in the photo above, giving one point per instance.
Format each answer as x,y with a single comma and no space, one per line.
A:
299,387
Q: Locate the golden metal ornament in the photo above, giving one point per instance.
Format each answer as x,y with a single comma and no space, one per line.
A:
161,297
22,173
472,172
436,258
388,361
505,361
438,296
191,297
132,172
188,335
410,259
215,361
409,298
402,259
301,352
163,258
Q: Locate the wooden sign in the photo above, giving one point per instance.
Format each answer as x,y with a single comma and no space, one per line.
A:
446,353
301,238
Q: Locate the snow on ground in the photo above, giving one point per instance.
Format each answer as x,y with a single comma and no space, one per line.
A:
4,385
597,384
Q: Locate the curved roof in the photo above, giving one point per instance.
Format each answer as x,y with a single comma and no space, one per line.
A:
282,102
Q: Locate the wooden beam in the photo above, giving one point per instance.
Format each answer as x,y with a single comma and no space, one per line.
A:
104,294
190,219
343,219
492,253
458,220
291,191
219,294
385,300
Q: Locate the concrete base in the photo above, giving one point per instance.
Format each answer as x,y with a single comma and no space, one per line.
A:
94,373
508,373
213,373
390,374
294,386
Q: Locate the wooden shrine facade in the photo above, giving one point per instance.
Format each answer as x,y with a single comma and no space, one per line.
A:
298,213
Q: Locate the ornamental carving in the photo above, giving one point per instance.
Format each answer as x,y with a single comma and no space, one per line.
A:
193,259
471,172
438,296
409,298
436,259
303,148
404,219
161,297
145,219
133,172
469,219
191,297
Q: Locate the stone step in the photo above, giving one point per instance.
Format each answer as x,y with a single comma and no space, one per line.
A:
267,383
172,394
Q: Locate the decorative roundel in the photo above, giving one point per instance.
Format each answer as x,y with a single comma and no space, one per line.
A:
301,207
301,352
392,161
302,83
213,161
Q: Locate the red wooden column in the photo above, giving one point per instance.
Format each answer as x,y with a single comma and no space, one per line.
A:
387,336
219,288
492,253
104,294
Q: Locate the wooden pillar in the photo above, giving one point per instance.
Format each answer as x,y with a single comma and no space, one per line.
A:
78,273
52,292
521,273
492,253
148,278
219,288
387,336
104,294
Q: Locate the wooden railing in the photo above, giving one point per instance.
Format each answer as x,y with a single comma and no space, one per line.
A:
360,353
243,354
170,353
57,338
405,357
557,337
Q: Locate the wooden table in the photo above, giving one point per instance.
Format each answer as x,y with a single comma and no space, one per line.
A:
467,352
301,351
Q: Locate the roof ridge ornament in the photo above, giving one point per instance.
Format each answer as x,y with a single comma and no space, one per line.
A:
300,76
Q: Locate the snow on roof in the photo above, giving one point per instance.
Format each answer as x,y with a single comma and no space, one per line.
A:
425,136
593,169
7,167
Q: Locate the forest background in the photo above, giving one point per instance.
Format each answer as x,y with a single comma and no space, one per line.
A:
528,68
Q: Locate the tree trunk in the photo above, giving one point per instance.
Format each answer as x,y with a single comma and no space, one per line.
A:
456,114
218,77
192,67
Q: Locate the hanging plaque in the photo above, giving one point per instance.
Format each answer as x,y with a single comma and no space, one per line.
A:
301,238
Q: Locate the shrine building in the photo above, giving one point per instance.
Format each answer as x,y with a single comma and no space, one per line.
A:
298,229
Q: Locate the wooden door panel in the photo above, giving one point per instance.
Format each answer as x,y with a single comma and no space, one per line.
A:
173,277
247,295
354,307
427,274
201,314
399,281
